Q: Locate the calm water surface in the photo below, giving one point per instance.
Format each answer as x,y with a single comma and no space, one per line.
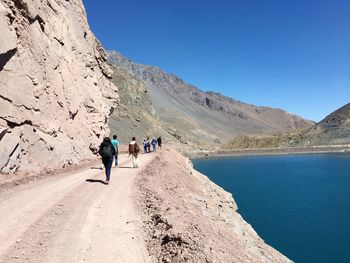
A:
299,204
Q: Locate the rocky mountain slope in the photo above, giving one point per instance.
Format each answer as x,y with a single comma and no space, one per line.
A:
332,130
55,88
135,115
205,118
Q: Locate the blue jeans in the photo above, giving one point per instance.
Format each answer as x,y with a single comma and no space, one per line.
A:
108,165
116,159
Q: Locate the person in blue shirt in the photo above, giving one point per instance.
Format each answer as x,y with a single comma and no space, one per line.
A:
154,143
115,143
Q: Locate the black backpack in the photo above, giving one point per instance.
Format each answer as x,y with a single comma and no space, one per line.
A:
107,152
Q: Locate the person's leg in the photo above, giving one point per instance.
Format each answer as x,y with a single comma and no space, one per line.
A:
136,162
133,160
105,164
116,159
108,169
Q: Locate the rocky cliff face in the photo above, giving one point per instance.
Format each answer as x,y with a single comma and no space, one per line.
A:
204,118
55,88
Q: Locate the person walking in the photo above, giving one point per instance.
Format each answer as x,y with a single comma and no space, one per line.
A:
154,143
144,146
134,150
107,152
115,143
148,145
159,140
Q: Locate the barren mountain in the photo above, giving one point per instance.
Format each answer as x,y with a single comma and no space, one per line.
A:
55,88
135,115
204,118
332,130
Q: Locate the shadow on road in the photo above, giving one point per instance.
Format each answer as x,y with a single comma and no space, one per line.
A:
95,181
126,167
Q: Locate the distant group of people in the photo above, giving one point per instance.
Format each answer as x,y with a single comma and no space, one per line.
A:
154,142
109,151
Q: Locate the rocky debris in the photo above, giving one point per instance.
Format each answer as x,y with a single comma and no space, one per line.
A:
203,118
187,218
55,88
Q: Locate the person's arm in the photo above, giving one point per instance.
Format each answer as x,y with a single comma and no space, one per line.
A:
100,150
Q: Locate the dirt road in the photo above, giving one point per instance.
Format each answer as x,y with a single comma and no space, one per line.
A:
69,219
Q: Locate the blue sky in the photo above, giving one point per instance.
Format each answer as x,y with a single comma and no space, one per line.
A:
290,54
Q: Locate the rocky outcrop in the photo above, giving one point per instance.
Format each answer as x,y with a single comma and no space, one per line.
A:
55,88
205,119
188,218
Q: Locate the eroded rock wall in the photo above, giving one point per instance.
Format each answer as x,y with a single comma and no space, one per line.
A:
55,88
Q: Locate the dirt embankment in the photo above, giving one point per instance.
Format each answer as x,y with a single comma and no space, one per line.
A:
187,218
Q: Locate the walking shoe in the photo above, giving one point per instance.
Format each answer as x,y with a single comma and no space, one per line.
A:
106,182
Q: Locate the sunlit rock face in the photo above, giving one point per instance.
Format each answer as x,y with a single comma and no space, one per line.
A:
55,88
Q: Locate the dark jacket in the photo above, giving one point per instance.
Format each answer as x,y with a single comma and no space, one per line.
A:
102,146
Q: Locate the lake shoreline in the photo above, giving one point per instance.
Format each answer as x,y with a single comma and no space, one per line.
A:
342,149
301,197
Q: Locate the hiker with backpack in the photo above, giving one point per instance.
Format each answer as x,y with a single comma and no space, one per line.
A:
107,151
134,150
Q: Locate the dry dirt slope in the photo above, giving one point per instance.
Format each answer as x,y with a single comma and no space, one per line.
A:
187,218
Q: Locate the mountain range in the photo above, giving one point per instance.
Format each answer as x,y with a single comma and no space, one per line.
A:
184,114
333,130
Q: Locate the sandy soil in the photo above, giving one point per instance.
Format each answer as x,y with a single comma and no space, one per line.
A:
68,219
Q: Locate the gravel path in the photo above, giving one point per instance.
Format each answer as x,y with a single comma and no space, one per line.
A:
68,219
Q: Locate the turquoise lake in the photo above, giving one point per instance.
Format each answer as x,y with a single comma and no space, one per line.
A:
299,204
